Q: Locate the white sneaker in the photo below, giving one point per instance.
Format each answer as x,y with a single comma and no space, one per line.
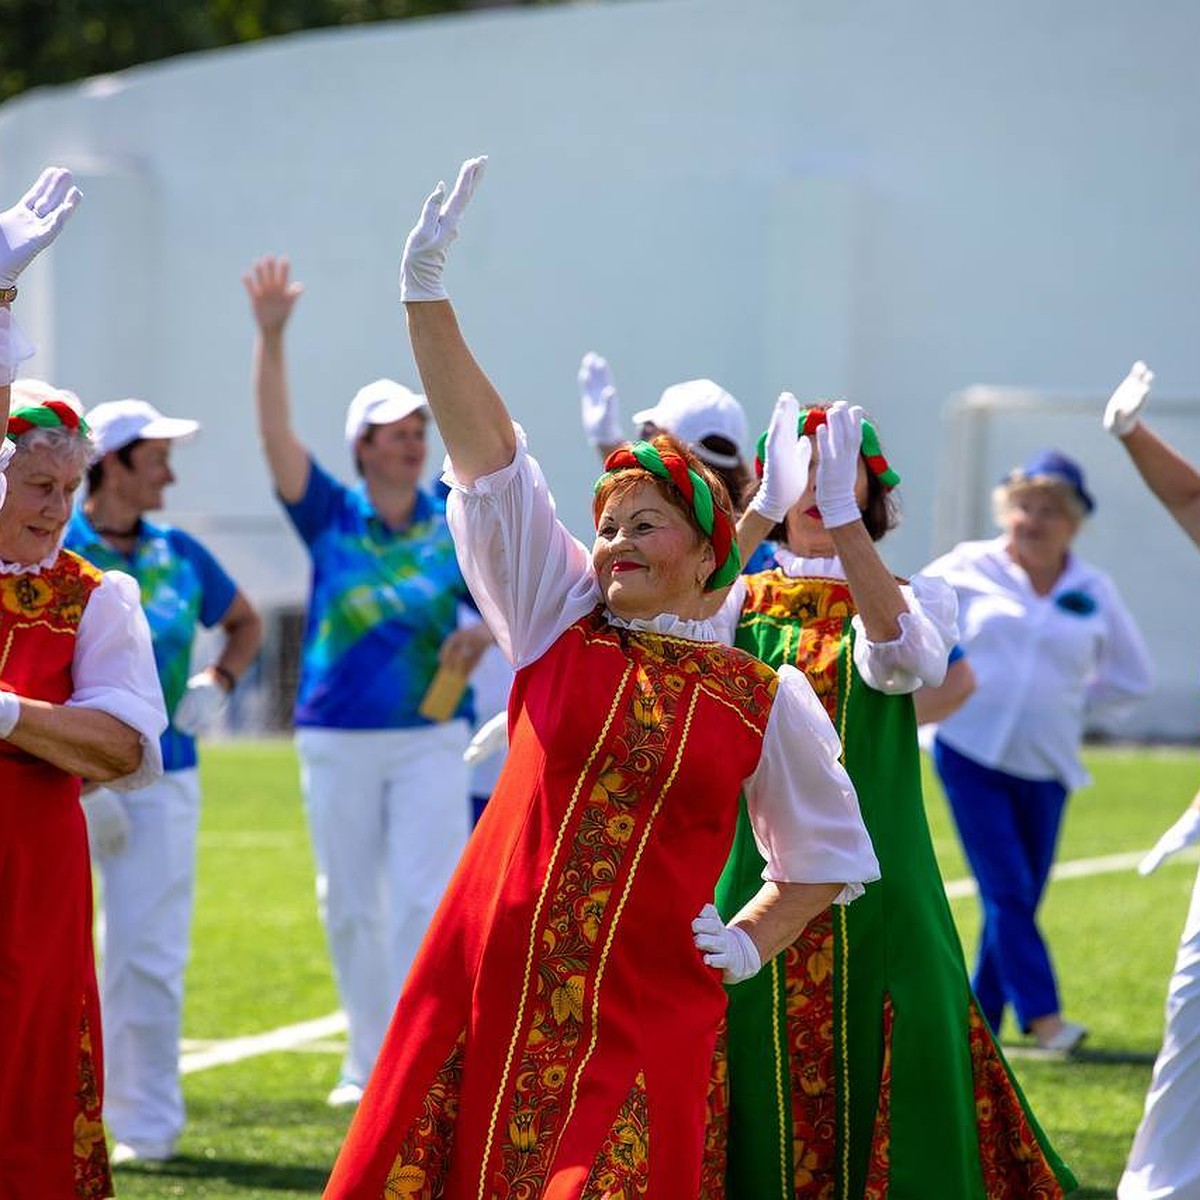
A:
345,1094
1066,1040
126,1152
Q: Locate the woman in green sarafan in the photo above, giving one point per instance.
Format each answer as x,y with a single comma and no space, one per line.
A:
858,1064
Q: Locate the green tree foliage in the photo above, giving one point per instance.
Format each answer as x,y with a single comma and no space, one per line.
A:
56,41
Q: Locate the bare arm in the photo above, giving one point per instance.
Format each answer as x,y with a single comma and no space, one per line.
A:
272,298
470,415
777,913
243,630
937,703
876,593
1169,476
80,741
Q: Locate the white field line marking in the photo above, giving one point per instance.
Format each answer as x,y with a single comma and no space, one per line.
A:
304,1033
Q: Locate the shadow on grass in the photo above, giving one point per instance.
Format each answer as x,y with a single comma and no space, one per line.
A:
1091,1193
1019,1052
273,1176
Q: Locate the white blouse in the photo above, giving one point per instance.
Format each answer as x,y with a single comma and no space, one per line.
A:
928,630
113,667
1042,664
532,580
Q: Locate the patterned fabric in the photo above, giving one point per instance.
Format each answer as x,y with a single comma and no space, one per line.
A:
572,966
892,1094
182,587
93,1179
382,603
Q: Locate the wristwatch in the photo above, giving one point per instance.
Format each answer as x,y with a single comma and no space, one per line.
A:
7,295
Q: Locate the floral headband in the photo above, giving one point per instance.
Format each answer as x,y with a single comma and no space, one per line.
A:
811,419
717,526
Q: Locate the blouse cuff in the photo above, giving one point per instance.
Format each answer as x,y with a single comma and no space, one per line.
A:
142,718
928,631
497,481
15,347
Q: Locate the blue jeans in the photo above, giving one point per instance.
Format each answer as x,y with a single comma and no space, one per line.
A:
1009,829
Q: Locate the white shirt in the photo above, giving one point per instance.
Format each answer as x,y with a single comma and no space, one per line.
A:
532,580
113,666
1042,664
927,631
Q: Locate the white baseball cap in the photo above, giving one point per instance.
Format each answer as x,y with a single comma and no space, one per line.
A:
116,423
379,403
695,410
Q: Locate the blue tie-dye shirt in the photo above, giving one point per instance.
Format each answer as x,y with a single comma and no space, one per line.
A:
181,585
382,603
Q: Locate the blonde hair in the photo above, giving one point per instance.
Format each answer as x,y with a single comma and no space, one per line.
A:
1019,484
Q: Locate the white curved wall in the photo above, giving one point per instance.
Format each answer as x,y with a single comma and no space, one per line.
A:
884,201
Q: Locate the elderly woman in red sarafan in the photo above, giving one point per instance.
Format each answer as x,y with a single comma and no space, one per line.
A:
79,698
555,1036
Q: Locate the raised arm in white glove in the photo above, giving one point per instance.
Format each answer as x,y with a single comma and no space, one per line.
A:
1124,405
34,221
1185,832
107,822
727,947
598,402
839,443
201,706
425,250
490,739
785,462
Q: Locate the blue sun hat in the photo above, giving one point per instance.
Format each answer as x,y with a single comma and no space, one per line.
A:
1050,464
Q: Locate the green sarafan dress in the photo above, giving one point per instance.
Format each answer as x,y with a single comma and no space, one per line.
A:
857,1063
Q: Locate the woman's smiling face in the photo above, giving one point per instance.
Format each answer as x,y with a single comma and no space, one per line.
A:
649,558
41,488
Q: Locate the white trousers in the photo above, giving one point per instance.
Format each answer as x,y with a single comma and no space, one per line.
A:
1165,1158
146,932
388,814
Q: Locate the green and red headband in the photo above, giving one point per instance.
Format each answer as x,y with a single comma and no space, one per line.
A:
50,414
715,523
811,419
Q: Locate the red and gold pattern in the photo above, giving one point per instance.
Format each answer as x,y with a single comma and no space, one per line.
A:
93,1179
716,1137
1014,1166
622,1168
881,1140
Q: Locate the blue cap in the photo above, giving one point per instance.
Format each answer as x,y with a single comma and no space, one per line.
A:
1052,464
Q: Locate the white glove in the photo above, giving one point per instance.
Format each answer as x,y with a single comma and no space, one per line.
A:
15,348
200,706
34,221
598,402
107,822
425,250
1121,412
7,450
726,947
1183,833
839,443
490,739
785,462
10,712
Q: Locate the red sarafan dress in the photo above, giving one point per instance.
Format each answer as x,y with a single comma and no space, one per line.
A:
555,1035
51,1138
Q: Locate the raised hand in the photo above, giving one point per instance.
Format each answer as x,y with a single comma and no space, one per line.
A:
786,456
839,443
272,295
598,402
34,221
425,250
1124,405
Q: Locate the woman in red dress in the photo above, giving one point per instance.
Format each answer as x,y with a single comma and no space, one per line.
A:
555,1035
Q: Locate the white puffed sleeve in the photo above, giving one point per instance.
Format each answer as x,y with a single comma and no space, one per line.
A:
529,576
113,670
928,632
801,802
7,450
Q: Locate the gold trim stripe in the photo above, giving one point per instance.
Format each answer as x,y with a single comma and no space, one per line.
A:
783,1092
551,867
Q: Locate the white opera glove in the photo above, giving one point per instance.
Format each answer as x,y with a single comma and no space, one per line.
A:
201,706
15,348
490,739
34,221
425,250
1185,832
598,402
786,461
10,711
107,822
839,444
1121,412
726,947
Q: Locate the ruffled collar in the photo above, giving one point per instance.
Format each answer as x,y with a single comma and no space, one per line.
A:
7,568
668,625
797,567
